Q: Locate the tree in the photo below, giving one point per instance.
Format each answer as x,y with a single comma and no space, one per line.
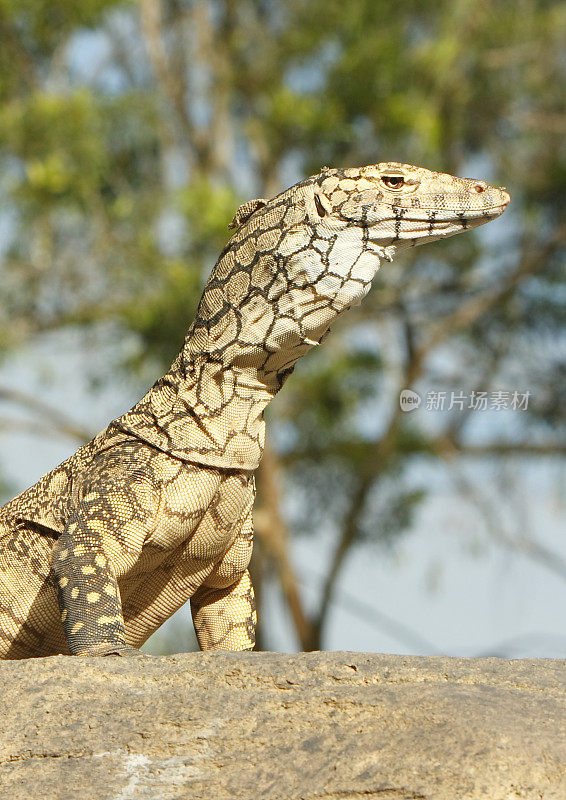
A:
129,132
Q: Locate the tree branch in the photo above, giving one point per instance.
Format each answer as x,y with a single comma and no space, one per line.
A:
529,547
270,526
173,87
52,417
377,619
470,311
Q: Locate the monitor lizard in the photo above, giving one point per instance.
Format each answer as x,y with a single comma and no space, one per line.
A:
157,508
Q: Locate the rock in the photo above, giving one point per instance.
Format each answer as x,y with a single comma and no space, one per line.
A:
317,726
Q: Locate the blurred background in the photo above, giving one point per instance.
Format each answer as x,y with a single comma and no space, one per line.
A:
130,132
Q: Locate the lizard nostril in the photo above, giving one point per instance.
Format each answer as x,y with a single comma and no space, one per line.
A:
479,188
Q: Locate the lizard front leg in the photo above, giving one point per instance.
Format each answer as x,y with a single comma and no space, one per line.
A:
223,608
225,619
87,589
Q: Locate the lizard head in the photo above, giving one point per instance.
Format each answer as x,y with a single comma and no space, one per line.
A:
299,260
399,204
332,230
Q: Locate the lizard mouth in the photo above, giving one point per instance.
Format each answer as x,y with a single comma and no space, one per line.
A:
448,216
436,225
445,220
494,208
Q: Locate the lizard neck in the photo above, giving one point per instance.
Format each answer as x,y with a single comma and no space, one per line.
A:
208,408
262,309
203,412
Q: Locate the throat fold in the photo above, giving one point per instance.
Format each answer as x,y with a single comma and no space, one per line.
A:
203,412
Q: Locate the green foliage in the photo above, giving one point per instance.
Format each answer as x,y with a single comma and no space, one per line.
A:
327,395
296,120
42,25
208,207
390,513
160,316
60,142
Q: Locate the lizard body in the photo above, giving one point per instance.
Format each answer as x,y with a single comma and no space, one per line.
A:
157,508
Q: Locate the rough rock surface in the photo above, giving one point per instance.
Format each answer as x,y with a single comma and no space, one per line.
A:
318,726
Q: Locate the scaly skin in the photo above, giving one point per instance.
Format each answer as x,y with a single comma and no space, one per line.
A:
157,509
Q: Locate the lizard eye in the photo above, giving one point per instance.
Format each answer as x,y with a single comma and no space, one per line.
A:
393,181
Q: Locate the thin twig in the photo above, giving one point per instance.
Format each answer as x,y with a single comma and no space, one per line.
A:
377,619
51,417
270,526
